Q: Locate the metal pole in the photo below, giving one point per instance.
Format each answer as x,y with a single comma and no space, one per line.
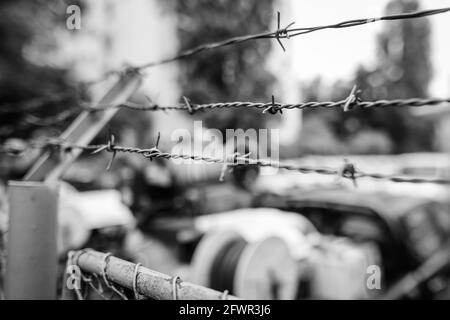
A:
31,268
84,128
32,237
149,283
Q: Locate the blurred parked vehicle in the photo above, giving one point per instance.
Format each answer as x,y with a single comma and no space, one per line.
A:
408,231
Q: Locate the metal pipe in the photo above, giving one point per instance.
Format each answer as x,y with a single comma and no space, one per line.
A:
149,282
32,244
83,129
31,269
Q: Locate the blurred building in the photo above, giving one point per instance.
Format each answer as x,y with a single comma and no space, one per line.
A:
115,34
440,115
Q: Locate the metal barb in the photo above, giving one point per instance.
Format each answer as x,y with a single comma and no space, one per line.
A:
153,152
223,171
157,140
230,164
282,32
152,106
349,172
353,98
188,105
273,108
111,148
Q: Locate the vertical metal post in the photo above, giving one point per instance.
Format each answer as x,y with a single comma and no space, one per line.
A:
31,269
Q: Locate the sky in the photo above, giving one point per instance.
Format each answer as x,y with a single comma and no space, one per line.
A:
335,54
330,54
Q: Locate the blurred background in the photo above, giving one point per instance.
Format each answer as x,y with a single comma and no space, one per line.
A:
170,217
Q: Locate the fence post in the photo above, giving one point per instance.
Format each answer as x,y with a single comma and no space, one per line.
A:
31,271
31,268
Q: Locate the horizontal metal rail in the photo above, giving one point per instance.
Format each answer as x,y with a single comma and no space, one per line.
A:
147,282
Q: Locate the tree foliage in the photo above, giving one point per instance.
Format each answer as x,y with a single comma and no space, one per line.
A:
403,70
230,73
26,87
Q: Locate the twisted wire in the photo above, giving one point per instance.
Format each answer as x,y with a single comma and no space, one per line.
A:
412,102
245,160
236,160
272,107
288,32
281,33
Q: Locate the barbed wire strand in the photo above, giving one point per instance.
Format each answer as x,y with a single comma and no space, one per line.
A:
272,107
234,160
347,171
281,33
192,108
288,32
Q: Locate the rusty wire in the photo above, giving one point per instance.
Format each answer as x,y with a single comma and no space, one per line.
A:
280,33
270,107
274,107
348,170
288,32
238,160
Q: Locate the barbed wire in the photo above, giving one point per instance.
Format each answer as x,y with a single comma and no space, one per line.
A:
280,33
274,107
348,169
353,101
350,103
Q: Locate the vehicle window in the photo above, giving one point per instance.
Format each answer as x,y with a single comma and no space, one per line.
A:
424,237
361,228
324,220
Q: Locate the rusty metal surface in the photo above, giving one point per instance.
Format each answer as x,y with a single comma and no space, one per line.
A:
148,282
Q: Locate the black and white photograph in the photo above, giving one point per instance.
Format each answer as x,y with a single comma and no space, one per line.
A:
244,151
